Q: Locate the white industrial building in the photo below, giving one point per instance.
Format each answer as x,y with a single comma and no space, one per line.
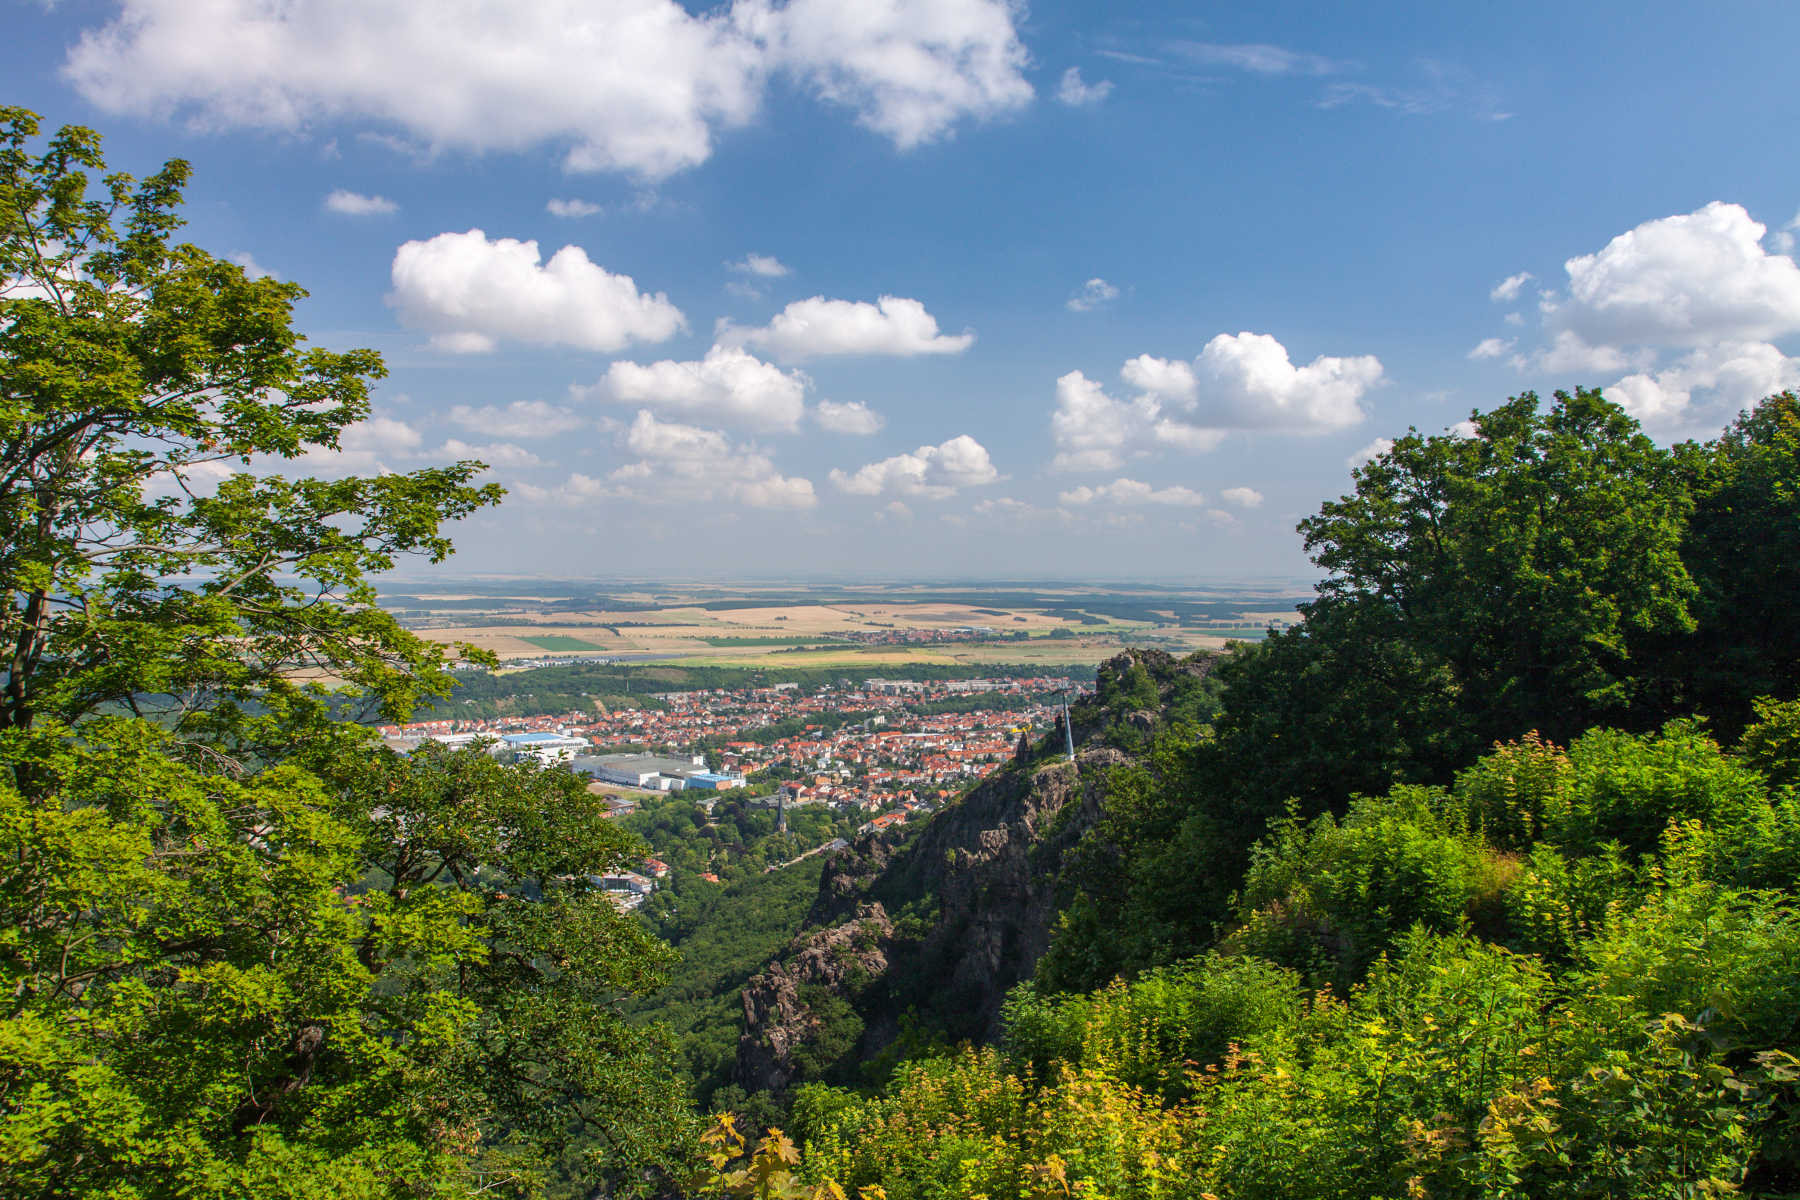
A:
657,771
546,747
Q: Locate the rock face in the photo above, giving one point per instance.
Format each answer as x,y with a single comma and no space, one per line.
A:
978,890
830,958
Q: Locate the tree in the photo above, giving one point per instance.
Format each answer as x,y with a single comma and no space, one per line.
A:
243,948
136,368
1479,587
1743,549
1526,556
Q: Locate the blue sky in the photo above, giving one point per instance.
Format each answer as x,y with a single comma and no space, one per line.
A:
953,287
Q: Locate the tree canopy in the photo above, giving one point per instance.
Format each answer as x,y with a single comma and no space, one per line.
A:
1532,571
1545,570
244,949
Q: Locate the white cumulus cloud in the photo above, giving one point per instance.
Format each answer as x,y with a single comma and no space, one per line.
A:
682,464
1492,347
730,386
816,327
494,454
374,445
1705,389
642,86
1507,290
1687,310
1004,508
1095,293
577,491
1685,280
471,293
355,204
930,472
1078,94
1370,452
851,417
1131,492
1248,382
909,69
1170,379
766,266
1095,432
1243,381
1243,497
572,208
252,268
521,419
704,464
1568,351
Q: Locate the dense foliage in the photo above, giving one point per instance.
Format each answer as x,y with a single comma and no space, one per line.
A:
243,949
1475,991
722,934
1449,543
1482,882
737,839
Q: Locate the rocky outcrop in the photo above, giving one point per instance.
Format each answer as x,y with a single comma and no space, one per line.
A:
942,926
839,959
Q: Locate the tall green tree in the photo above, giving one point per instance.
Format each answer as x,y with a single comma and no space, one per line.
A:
244,950
1477,587
1743,549
1526,556
1528,575
135,367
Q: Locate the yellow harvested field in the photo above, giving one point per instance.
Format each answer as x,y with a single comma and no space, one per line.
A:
797,620
884,630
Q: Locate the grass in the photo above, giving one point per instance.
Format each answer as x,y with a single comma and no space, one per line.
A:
558,641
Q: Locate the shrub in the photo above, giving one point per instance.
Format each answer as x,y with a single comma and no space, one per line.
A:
1150,1032
1556,903
1628,789
1346,890
1509,792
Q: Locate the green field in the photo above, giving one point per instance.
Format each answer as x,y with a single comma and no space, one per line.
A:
559,641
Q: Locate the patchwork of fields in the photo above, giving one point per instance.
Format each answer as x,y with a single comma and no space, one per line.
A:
862,628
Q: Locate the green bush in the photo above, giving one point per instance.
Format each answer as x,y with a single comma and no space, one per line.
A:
1727,960
1628,789
1558,902
1772,744
1508,794
1342,891
1152,1031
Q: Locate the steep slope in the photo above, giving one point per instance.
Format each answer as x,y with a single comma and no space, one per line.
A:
917,938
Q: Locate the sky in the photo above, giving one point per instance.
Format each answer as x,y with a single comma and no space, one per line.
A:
961,288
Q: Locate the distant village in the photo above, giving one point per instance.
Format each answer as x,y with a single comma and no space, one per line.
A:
862,747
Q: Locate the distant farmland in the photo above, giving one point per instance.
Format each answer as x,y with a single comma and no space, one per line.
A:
560,642
797,628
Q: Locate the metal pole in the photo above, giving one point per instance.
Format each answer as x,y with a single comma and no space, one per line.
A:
1068,728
